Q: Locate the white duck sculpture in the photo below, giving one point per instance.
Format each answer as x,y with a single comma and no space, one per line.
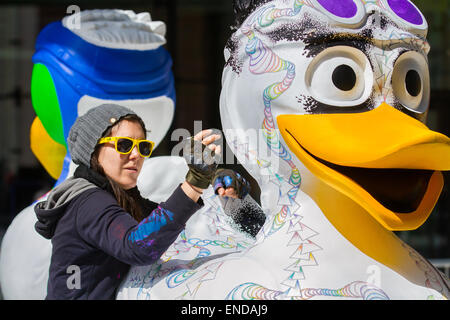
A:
323,102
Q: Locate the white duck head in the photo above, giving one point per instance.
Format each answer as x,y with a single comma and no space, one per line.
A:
339,92
316,96
94,57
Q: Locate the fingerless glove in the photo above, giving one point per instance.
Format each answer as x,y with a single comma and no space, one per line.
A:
202,163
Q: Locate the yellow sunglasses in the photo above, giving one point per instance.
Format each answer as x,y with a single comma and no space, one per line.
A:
124,145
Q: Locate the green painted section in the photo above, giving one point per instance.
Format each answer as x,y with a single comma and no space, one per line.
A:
45,102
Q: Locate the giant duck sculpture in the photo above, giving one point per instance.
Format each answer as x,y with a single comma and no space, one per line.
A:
89,58
324,103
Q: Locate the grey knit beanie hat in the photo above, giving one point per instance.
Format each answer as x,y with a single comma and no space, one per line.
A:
90,127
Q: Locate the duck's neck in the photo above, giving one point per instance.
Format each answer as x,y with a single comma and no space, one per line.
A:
355,224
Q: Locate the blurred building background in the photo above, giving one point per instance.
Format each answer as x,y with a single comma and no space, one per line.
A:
197,31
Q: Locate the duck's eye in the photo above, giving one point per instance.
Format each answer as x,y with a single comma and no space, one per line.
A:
344,77
411,81
340,76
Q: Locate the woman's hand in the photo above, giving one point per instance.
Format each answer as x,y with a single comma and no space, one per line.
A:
202,159
229,183
207,138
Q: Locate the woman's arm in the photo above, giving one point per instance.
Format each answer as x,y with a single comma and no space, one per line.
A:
103,224
192,192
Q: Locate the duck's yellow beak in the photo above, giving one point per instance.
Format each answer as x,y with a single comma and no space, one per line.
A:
383,159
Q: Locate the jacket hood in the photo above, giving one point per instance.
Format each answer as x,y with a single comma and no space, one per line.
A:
51,210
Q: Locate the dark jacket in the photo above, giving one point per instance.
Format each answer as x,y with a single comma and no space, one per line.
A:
95,241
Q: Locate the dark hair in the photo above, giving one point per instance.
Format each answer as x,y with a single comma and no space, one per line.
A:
125,200
243,8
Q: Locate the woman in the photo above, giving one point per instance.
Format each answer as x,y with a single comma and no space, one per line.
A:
98,222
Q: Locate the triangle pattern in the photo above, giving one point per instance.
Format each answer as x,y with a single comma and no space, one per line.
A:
295,267
309,262
306,232
295,240
295,291
299,255
310,246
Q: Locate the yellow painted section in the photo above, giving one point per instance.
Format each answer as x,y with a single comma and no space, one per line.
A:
49,152
381,138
